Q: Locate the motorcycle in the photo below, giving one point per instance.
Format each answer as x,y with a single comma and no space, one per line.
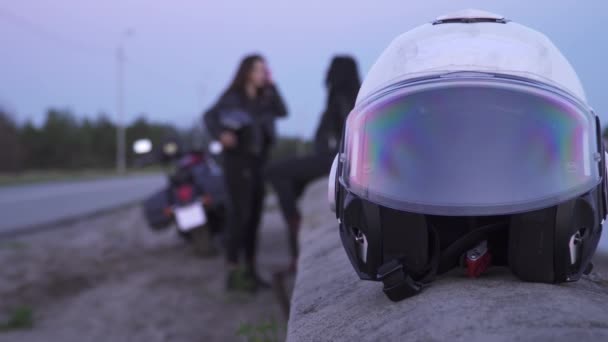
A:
193,201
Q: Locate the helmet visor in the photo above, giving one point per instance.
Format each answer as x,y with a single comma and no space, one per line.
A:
471,147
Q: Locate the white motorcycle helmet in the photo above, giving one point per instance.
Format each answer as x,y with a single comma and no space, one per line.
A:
471,136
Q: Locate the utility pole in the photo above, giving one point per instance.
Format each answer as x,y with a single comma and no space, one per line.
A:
121,163
120,120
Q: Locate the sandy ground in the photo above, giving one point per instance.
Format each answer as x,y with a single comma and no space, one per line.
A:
112,279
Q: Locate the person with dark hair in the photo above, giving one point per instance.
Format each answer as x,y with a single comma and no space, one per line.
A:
243,121
290,177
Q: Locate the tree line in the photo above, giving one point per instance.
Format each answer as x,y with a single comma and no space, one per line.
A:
64,141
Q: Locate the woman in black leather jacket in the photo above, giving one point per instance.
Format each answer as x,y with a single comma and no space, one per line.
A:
243,120
289,177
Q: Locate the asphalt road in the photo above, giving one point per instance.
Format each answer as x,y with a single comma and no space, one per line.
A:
24,206
30,205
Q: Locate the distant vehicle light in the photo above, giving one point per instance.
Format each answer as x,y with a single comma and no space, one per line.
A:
142,146
170,148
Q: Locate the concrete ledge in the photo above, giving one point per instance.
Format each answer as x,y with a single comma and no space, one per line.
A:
330,303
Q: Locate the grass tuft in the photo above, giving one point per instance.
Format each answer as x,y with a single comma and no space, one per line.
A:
266,331
14,245
21,318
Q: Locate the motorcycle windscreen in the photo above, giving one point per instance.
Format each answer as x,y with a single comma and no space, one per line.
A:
471,148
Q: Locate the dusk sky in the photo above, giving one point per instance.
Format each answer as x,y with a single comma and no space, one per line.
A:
61,53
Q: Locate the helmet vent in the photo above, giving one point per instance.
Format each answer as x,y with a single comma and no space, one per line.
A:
470,16
470,21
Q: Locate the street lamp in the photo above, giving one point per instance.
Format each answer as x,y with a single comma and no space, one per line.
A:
120,121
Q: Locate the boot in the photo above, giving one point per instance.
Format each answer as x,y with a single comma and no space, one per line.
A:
253,276
238,279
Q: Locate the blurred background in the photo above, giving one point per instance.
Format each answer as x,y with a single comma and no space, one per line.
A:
79,76
59,92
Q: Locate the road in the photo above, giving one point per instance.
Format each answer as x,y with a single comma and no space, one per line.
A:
29,205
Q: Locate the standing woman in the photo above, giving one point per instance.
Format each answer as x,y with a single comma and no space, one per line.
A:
289,177
243,120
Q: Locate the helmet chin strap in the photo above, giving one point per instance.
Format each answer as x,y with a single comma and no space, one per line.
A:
398,283
397,280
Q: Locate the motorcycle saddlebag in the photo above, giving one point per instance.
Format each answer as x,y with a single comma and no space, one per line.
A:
154,210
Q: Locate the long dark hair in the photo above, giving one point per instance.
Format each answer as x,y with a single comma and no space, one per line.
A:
343,78
242,74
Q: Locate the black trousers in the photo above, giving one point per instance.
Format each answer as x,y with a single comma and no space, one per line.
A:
243,176
290,177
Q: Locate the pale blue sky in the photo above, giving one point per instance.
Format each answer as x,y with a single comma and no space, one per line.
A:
60,53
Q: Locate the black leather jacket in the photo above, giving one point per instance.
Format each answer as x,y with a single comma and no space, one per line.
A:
260,134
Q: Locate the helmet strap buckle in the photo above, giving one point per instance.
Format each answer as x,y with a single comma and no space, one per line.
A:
478,260
398,284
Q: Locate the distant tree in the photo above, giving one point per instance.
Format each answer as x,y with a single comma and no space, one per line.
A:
10,147
33,146
62,145
65,142
103,136
289,147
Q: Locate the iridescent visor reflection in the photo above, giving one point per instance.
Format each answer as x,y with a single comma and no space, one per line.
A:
471,148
